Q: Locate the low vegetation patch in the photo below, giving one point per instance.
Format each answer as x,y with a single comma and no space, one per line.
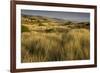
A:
24,28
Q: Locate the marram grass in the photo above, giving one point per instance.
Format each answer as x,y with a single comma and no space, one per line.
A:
40,47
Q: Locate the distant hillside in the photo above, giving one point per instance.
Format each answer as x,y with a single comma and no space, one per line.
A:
27,19
41,23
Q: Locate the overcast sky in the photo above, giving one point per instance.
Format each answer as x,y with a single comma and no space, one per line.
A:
72,16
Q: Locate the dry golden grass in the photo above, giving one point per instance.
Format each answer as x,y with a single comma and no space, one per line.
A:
40,47
77,44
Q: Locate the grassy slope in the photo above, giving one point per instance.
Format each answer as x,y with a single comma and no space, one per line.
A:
49,39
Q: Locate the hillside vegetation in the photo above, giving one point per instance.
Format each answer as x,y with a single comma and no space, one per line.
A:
51,39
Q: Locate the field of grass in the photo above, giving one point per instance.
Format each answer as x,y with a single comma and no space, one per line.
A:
47,39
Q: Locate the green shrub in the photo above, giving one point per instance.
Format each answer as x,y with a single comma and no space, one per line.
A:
68,23
49,30
24,28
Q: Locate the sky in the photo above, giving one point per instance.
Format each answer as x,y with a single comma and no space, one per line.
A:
70,16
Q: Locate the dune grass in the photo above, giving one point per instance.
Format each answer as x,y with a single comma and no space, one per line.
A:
40,47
